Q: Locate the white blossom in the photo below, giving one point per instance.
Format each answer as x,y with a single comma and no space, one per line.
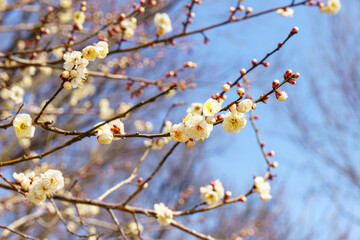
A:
285,12
263,188
163,23
234,122
163,214
71,59
197,128
79,17
53,181
129,26
102,49
332,7
17,94
177,133
36,193
117,127
23,127
195,108
244,106
104,134
89,53
212,193
65,3
211,107
134,228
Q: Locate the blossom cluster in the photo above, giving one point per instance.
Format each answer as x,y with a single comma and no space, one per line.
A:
164,215
198,124
76,62
235,120
212,193
105,133
332,7
262,187
40,187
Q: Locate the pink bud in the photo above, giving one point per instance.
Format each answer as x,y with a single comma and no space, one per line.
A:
254,61
296,75
288,73
294,30
275,84
266,64
271,153
220,117
292,81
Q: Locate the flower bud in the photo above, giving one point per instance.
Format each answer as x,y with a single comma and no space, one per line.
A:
288,73
249,10
243,71
265,98
254,61
73,73
65,74
275,84
220,117
67,85
190,143
271,153
244,106
228,194
292,81
281,95
294,30
296,75
240,92
266,64
226,87
274,164
242,199
210,119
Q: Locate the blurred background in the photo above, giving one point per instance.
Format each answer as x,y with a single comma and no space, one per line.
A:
314,132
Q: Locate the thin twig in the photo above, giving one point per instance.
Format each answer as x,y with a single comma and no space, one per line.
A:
141,187
23,235
121,230
116,187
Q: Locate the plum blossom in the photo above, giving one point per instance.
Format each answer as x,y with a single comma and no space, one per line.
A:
263,188
211,107
234,122
163,214
285,12
23,127
212,193
163,23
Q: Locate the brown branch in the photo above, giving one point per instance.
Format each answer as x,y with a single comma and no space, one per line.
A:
48,102
191,231
85,134
169,39
12,185
9,124
58,213
23,235
120,229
